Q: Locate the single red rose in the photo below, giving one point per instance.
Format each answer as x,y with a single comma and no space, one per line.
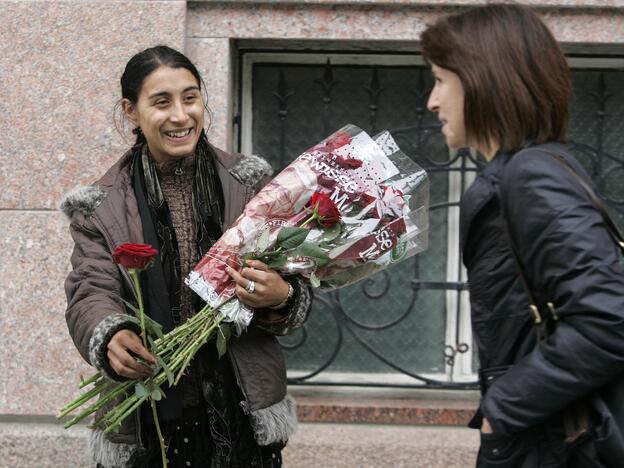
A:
349,163
326,210
137,256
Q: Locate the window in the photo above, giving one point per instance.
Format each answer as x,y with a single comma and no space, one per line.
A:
408,325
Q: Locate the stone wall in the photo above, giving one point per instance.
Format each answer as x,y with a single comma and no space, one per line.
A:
59,74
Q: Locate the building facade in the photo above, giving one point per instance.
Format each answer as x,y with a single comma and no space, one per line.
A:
280,75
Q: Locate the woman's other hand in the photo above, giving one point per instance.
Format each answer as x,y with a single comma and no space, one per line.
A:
120,347
270,289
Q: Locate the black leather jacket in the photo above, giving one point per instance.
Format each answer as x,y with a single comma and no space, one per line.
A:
571,261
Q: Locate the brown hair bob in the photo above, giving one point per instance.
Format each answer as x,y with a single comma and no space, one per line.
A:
516,79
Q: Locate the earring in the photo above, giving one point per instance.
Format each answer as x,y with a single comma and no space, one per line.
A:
137,131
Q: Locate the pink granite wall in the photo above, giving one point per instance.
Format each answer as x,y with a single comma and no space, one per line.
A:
59,74
214,26
573,21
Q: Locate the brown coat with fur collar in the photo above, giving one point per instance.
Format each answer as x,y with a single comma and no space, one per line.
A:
106,215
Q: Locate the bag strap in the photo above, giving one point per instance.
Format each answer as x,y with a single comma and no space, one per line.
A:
575,417
537,318
609,223
597,202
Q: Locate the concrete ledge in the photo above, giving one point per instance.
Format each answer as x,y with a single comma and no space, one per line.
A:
375,446
41,445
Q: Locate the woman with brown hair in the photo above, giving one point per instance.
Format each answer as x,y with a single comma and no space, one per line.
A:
546,284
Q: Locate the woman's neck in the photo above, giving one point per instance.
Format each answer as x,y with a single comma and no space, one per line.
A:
488,151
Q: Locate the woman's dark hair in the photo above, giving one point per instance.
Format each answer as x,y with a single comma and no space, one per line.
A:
144,63
141,65
515,77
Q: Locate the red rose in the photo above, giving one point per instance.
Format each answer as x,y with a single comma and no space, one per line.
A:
326,211
137,256
350,163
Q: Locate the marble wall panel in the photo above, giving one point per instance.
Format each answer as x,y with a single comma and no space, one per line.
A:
39,367
213,59
297,21
442,3
60,71
596,22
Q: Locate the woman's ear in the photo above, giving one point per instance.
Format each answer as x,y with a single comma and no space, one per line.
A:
129,111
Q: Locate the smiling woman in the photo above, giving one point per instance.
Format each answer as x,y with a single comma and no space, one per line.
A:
170,113
175,191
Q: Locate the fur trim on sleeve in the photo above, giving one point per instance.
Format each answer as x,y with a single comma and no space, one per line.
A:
110,454
98,344
277,423
250,170
84,198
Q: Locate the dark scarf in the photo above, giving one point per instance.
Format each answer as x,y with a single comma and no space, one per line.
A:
162,282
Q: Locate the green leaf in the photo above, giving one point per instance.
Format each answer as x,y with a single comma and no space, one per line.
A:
223,336
157,394
131,306
291,237
313,251
168,372
221,343
153,327
153,345
277,262
331,233
263,241
141,391
314,281
226,329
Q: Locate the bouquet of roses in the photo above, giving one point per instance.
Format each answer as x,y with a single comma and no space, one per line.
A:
344,209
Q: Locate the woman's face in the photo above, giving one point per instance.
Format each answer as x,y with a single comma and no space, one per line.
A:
447,100
170,112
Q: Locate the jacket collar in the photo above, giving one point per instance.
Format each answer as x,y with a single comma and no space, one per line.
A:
482,190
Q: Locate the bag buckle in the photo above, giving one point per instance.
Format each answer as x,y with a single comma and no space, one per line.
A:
553,312
537,318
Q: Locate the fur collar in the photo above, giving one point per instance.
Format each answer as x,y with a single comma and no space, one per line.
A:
83,198
249,171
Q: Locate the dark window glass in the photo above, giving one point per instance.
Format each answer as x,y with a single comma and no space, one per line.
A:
397,320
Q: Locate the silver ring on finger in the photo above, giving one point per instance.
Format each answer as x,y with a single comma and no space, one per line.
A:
251,287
